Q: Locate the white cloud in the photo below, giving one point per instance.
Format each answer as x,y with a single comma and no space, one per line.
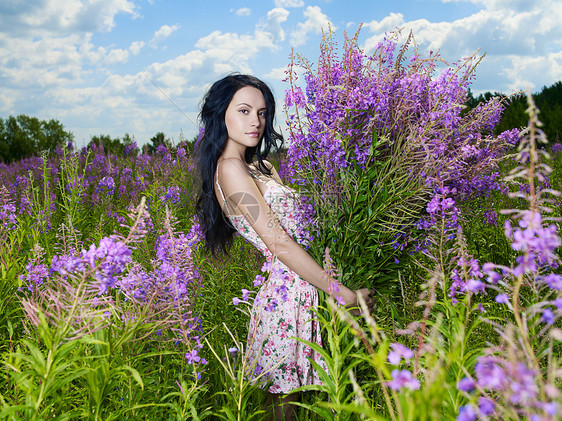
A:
120,55
61,17
136,47
289,3
277,73
273,23
523,70
161,34
244,11
117,55
513,34
314,23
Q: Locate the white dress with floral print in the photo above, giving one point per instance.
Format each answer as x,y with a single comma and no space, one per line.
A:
282,309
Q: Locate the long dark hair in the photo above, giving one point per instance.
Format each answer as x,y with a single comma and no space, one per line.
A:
217,228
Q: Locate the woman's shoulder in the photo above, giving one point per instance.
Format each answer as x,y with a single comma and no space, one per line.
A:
270,167
231,168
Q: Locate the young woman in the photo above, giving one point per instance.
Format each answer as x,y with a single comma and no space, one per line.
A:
242,192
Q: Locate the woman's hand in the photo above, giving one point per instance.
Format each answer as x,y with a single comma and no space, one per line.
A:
367,295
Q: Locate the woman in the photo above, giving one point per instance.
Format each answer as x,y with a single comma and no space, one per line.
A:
242,192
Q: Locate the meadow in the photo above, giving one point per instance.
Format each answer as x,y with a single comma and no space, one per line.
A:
111,308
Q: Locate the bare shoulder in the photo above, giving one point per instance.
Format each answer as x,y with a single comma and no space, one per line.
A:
233,175
271,168
230,167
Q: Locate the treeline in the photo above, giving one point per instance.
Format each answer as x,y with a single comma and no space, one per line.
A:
117,145
548,100
24,136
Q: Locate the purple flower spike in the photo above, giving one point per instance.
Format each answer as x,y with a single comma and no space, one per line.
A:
403,379
502,298
489,375
236,301
466,384
192,357
486,406
466,413
398,352
258,280
547,316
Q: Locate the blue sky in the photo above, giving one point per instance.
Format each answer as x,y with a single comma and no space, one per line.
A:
89,64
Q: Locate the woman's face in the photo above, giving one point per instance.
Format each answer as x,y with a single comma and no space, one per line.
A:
245,118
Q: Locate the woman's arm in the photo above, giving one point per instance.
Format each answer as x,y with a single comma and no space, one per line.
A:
236,182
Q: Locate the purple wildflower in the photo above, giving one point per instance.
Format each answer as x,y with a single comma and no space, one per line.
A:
489,374
106,185
398,352
466,413
486,406
548,316
466,384
258,280
192,357
502,298
403,379
523,386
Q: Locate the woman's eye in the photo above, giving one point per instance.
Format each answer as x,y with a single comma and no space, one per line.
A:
263,114
244,111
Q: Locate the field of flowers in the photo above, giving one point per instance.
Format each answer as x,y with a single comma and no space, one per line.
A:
110,308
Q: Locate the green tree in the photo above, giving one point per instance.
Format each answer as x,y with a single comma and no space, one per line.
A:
24,136
548,100
157,140
111,146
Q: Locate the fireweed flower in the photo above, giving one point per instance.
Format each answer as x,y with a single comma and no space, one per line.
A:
192,357
522,384
258,280
489,374
36,274
398,352
266,267
403,379
553,280
548,316
466,384
8,217
466,413
106,185
502,298
486,406
109,258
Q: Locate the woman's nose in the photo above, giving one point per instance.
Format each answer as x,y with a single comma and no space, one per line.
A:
255,120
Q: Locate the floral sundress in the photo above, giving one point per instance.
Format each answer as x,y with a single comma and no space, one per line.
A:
282,309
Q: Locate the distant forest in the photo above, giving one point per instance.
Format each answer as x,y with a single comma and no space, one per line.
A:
548,100
24,136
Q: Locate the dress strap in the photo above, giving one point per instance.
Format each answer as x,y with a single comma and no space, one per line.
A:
220,190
